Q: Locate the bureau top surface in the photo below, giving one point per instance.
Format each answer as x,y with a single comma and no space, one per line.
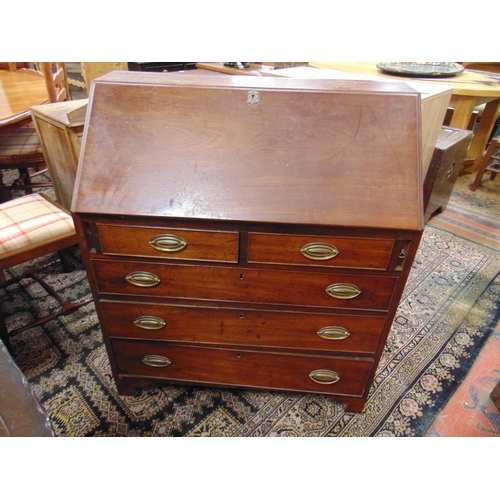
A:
245,148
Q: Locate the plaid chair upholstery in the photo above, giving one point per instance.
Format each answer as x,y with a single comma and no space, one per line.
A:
31,221
20,146
30,227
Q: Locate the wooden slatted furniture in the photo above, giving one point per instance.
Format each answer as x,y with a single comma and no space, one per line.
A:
56,79
490,163
54,74
249,232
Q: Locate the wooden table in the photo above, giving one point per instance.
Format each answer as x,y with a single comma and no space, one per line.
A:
466,95
18,92
254,69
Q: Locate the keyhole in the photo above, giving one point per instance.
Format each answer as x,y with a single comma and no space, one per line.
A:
241,315
241,276
238,355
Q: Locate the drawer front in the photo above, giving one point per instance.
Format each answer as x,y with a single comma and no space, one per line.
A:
205,325
342,252
159,360
245,285
169,243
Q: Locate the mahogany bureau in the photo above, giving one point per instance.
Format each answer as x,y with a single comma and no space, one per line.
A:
248,232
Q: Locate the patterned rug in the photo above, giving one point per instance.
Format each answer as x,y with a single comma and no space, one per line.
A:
470,411
449,309
481,206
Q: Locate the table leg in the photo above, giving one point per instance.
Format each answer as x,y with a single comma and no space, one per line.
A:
463,107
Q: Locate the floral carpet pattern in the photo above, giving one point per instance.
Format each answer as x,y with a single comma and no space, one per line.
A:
449,309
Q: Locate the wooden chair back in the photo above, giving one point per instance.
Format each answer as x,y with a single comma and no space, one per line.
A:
56,79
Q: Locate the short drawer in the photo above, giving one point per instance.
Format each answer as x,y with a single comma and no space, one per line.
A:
169,243
242,368
237,284
243,327
342,252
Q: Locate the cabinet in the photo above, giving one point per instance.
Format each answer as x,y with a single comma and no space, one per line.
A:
446,164
248,232
60,129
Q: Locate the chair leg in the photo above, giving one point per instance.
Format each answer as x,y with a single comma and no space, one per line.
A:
4,335
66,307
24,181
66,262
492,148
4,192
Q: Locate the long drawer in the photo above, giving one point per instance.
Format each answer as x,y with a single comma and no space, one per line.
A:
253,328
238,284
160,360
343,252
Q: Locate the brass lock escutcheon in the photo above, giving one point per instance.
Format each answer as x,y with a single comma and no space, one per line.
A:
333,333
319,251
168,243
156,361
143,279
149,323
324,376
343,291
253,97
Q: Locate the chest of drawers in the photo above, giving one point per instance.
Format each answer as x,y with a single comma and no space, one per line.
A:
248,232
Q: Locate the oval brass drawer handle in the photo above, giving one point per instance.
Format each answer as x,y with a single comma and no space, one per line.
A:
342,291
156,361
324,376
143,278
333,333
319,251
168,243
149,323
